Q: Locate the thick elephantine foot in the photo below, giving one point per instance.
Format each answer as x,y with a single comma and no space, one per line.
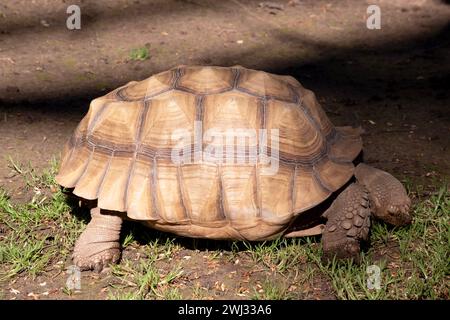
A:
348,223
388,197
99,244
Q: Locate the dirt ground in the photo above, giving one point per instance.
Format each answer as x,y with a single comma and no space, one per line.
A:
393,81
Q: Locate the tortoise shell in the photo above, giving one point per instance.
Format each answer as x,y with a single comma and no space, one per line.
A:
121,153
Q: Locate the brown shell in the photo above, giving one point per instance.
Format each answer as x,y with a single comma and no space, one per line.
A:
120,153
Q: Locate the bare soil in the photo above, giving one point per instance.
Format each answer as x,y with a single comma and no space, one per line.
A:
393,81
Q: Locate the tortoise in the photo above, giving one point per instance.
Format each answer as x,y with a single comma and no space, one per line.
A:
297,175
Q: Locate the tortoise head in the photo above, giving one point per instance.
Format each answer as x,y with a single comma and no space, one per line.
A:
389,199
398,214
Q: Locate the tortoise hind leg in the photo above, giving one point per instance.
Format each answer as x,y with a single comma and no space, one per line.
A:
388,196
99,244
348,222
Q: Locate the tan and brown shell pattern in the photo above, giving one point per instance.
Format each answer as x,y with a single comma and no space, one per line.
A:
120,153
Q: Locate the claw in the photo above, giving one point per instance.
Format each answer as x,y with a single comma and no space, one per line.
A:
98,261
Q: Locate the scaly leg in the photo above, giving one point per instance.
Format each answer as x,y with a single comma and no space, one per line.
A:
348,222
99,244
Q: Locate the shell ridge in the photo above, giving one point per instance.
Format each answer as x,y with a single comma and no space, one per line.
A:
138,138
294,188
263,113
237,74
182,195
100,186
96,118
165,154
72,148
91,155
222,200
154,189
258,191
318,179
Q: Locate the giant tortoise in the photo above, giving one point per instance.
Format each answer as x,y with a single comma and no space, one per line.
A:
223,153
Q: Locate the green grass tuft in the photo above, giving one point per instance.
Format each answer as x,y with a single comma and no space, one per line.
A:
140,54
144,280
269,290
39,232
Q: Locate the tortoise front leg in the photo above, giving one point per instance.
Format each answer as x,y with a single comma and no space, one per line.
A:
99,244
348,222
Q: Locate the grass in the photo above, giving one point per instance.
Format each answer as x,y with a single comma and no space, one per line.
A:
139,54
269,290
412,261
38,231
282,254
144,281
146,278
